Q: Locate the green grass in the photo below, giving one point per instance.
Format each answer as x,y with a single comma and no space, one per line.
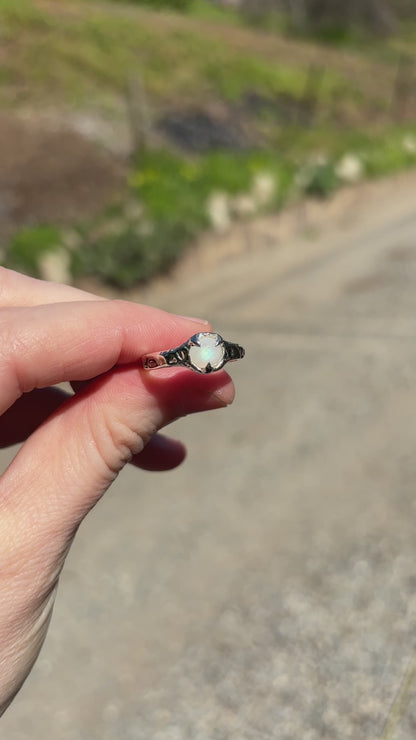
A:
314,107
89,53
207,11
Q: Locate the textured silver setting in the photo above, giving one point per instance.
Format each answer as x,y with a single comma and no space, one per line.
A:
205,352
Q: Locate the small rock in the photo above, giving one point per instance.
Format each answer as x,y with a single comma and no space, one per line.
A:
218,211
54,266
349,169
264,188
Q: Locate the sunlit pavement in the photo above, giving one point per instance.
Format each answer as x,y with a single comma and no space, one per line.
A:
266,589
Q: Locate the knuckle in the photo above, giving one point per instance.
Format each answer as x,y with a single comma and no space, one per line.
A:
115,439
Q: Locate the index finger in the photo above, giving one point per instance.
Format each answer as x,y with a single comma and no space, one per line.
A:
22,290
50,344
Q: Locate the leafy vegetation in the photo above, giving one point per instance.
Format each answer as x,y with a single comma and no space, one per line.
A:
87,54
312,121
169,204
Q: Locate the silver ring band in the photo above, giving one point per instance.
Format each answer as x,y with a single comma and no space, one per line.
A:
205,352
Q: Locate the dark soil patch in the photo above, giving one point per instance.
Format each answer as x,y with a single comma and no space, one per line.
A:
199,131
55,177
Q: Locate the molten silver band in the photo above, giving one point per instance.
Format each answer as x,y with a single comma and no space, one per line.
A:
205,352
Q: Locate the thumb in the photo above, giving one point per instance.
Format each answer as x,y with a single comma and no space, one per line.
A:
57,477
80,449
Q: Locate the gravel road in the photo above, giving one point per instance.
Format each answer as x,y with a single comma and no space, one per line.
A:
267,588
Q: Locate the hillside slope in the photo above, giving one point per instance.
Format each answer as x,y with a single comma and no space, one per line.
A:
204,121
84,53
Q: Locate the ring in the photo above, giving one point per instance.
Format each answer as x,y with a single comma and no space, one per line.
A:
205,352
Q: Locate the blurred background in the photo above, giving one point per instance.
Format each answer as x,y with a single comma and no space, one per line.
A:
128,129
254,162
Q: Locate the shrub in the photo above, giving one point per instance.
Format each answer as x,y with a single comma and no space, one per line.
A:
130,257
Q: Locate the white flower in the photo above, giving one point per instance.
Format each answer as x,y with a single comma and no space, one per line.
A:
409,144
263,189
54,266
349,169
218,211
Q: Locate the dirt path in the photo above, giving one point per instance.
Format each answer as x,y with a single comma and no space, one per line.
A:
266,588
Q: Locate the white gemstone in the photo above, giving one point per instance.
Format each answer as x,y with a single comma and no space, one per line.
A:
209,352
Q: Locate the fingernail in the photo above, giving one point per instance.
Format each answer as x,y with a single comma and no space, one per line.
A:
224,396
218,401
195,320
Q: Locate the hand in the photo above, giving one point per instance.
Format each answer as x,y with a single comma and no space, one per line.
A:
75,445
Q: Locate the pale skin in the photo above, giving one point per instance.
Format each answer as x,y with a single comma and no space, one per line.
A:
75,445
